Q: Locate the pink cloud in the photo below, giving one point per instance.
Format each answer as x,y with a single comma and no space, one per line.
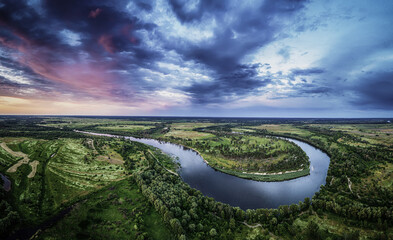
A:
75,77
106,42
126,31
91,77
95,13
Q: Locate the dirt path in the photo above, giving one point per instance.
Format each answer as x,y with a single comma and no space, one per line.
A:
276,173
350,187
331,181
163,165
33,168
349,184
9,150
251,226
25,159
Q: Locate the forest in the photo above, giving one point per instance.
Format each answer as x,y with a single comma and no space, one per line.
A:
87,185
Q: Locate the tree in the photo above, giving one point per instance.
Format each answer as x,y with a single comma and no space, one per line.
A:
176,226
294,208
232,224
182,237
353,235
191,227
213,232
306,203
312,231
273,222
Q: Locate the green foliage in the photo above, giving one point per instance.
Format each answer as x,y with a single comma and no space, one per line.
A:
8,217
159,204
312,231
109,214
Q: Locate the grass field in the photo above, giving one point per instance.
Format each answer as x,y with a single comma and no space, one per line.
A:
281,129
336,225
185,131
190,125
368,133
188,134
77,123
126,128
71,171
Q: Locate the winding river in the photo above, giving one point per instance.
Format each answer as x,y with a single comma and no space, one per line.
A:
244,193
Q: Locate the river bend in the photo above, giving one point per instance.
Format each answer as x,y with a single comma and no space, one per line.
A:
244,193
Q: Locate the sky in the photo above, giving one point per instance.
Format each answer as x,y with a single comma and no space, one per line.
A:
281,58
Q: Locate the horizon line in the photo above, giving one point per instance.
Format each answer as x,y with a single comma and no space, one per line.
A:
174,116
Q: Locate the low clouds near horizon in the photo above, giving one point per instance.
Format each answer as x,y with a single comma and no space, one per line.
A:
281,58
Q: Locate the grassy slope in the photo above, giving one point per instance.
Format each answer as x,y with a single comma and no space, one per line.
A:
117,212
70,169
62,175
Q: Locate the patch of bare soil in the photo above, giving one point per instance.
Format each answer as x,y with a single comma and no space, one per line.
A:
111,160
33,168
25,159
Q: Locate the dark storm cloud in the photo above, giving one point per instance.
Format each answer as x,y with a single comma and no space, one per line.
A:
103,24
254,27
307,72
374,90
21,71
144,5
228,86
103,32
109,35
183,12
311,89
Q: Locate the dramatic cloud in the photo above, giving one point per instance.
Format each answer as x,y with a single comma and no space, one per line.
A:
175,57
375,91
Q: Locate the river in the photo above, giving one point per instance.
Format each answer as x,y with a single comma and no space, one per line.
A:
244,193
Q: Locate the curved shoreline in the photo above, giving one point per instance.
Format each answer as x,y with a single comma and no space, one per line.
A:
262,177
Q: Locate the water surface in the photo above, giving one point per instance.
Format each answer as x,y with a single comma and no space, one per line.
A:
6,183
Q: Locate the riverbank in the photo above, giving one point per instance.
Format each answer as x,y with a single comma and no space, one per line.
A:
269,177
256,176
262,177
